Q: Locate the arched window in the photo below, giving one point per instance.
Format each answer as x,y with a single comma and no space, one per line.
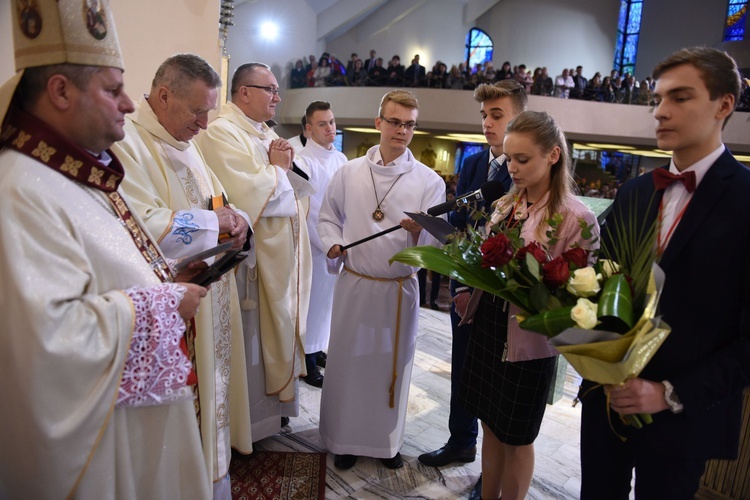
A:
478,47
734,29
628,30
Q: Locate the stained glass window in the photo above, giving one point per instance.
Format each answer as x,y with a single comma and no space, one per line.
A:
734,29
478,47
628,30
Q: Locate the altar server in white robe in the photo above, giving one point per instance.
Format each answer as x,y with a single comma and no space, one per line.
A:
170,185
323,160
375,304
95,389
262,176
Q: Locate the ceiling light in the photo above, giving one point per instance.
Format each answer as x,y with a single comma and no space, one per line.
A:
269,30
647,152
609,146
363,130
478,138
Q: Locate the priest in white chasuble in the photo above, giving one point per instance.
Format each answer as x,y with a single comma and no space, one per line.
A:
171,185
264,179
375,305
96,398
323,160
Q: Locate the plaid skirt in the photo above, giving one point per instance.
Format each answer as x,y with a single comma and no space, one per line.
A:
509,398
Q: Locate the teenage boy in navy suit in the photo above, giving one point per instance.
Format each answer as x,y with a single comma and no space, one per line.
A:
693,385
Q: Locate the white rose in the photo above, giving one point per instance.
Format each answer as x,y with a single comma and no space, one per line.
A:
584,314
609,267
584,282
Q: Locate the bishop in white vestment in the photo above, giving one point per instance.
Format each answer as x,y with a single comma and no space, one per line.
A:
95,383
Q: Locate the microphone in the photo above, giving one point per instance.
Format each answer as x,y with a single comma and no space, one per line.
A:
490,191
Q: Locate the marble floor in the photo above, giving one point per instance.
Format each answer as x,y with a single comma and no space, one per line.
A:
557,472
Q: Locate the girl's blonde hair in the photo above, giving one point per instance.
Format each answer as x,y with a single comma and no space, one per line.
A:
547,134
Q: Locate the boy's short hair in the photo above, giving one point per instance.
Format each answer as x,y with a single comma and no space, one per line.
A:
402,97
503,88
315,106
717,68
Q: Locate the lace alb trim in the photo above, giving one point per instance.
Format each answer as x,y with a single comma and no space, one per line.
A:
156,369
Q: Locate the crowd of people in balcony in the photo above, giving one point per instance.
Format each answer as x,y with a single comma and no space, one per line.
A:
329,71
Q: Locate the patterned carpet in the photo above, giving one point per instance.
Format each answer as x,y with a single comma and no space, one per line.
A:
275,475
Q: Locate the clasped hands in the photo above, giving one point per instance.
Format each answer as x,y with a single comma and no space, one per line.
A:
233,224
281,153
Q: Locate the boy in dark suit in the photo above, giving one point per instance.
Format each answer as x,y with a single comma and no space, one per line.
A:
693,385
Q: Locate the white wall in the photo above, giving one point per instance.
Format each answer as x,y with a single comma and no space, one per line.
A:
149,32
433,29
700,23
554,33
456,111
7,66
152,31
297,36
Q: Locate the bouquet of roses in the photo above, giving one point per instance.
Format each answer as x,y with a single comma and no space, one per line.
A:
601,317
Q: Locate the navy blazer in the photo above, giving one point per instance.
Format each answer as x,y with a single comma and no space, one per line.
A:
706,302
473,174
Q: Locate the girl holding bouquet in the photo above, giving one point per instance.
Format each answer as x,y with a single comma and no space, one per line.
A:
509,371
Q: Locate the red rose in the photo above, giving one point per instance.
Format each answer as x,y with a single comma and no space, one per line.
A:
496,251
538,252
555,273
577,256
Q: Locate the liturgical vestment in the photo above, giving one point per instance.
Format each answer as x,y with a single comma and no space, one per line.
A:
169,184
375,305
275,294
66,328
323,163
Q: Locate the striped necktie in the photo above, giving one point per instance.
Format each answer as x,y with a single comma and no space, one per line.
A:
495,164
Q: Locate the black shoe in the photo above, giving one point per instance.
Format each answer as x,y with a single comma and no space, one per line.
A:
314,379
434,306
344,461
476,491
284,421
321,359
393,463
448,454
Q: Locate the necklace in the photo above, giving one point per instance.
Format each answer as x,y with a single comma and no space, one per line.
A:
378,214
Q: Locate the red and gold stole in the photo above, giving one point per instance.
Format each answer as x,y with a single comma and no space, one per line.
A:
32,137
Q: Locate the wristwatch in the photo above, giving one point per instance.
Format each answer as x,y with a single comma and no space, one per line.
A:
671,398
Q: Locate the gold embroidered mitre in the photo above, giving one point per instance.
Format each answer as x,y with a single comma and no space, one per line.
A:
47,32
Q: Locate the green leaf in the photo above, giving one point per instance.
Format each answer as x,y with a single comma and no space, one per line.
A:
553,303
533,266
616,305
549,323
539,297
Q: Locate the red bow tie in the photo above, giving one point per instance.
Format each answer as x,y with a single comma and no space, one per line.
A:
663,178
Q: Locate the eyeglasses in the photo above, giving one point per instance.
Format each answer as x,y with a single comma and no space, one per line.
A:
270,90
410,126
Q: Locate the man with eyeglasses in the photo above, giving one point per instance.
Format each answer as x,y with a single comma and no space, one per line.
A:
170,186
375,304
262,175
